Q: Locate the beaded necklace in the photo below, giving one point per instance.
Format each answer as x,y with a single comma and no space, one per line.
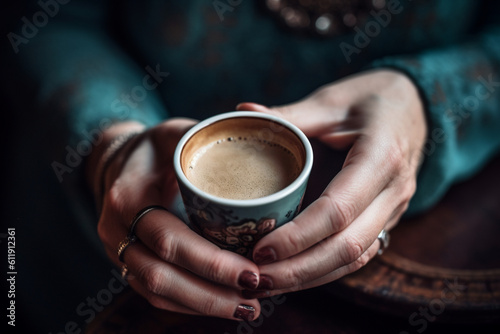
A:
323,17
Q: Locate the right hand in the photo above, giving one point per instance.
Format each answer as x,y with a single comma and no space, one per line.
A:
170,265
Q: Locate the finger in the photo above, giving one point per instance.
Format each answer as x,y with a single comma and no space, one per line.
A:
159,301
365,174
324,119
168,286
342,249
174,242
163,232
330,277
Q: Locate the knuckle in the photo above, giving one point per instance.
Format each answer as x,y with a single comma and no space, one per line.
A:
361,261
343,208
295,242
164,245
353,250
153,280
112,209
395,157
409,191
115,198
411,187
211,306
294,276
216,269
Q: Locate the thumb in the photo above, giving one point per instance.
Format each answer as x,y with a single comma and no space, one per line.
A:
314,119
293,112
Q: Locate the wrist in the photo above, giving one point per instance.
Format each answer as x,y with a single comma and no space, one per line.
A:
114,140
407,94
404,86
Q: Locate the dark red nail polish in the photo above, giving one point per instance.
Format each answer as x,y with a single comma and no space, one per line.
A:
265,283
265,255
248,280
244,312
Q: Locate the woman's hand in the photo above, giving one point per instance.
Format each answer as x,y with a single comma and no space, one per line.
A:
171,266
379,115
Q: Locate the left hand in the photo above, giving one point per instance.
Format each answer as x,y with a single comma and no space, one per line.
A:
170,265
380,116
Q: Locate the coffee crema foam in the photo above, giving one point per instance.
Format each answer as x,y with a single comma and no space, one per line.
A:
242,168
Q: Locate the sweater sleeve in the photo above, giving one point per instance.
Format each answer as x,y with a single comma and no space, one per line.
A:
66,61
460,88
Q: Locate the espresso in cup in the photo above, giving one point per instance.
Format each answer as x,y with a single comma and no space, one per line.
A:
241,175
244,158
242,168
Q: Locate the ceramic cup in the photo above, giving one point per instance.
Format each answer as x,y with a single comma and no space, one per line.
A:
237,223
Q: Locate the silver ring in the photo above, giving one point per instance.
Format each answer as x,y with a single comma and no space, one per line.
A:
124,272
383,237
131,237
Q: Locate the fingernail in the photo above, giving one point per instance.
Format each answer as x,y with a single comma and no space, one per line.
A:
265,283
247,294
244,312
248,280
265,255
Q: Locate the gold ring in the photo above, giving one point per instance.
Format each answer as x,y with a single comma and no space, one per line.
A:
123,245
124,272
